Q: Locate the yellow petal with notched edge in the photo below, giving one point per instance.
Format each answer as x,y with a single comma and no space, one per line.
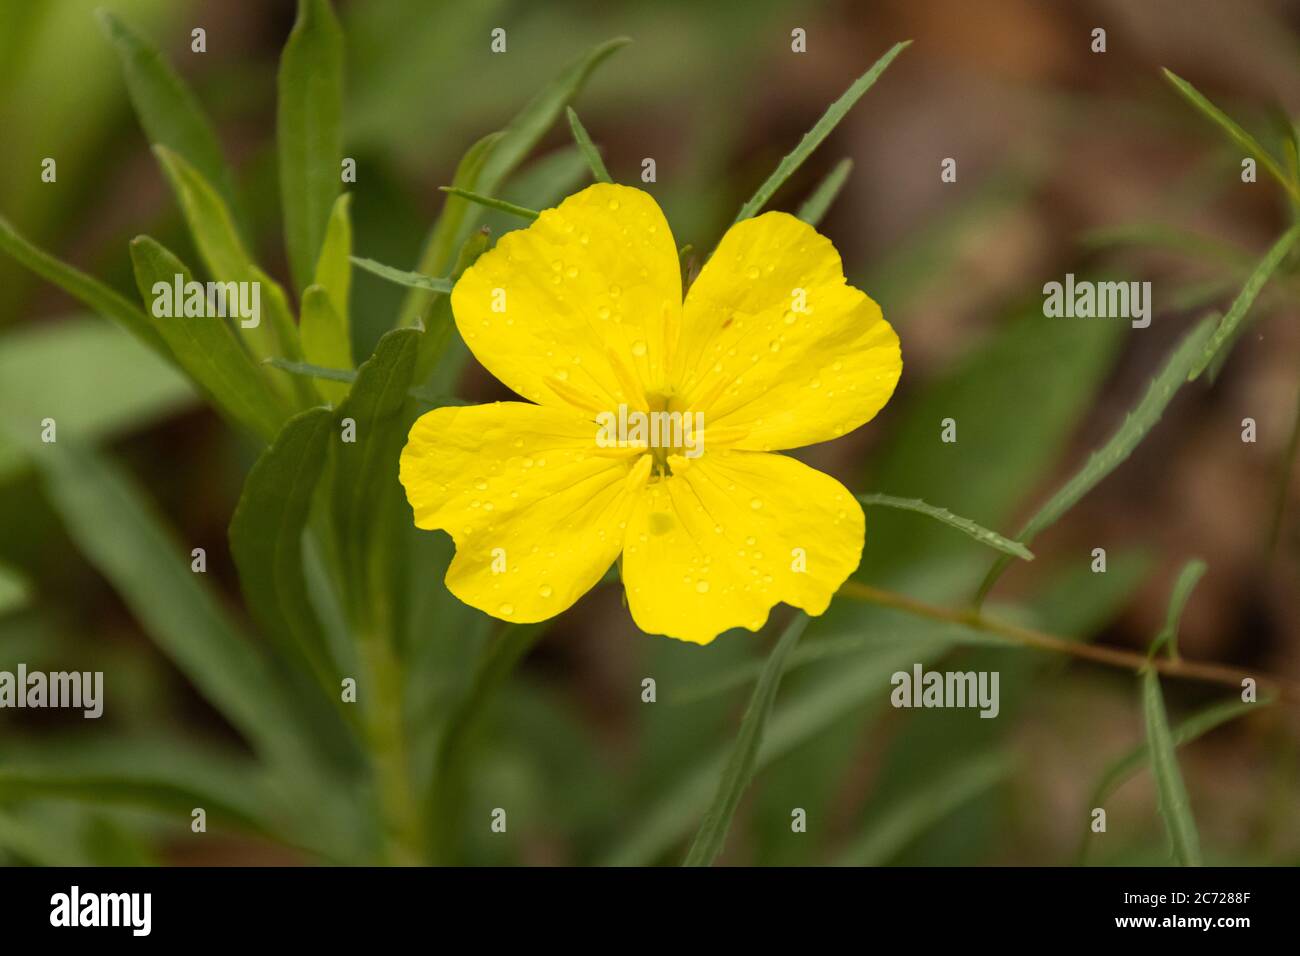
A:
774,343
730,535
536,510
576,309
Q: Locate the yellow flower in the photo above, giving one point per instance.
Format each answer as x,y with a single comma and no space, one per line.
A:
582,315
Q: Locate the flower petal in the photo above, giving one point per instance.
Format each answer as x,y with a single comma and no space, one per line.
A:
732,533
536,512
574,310
776,345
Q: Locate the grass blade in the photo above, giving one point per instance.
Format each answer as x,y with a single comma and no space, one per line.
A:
979,533
1228,328
1137,423
1175,808
588,148
207,349
821,129
816,205
1233,131
712,835
309,132
93,293
1187,579
168,111
414,280
500,205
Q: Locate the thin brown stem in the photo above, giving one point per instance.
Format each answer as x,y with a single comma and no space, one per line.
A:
1040,640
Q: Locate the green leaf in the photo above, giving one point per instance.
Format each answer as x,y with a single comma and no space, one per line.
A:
486,172
225,255
917,811
366,491
414,280
309,132
1227,329
712,835
532,122
821,129
588,148
441,326
86,289
816,205
266,538
112,524
448,779
500,205
206,348
96,382
1187,578
334,267
1233,131
168,111
325,339
440,248
979,533
1175,808
307,370
1191,729
1137,423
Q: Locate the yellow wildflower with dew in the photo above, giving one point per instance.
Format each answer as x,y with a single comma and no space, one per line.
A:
653,423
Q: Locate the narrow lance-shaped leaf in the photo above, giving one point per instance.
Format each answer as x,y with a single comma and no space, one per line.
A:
712,835
440,246
365,473
1234,131
308,132
168,111
588,148
821,129
1187,578
116,529
226,257
504,156
1175,807
83,287
1227,329
205,347
488,202
266,535
441,323
325,339
1191,729
1106,459
816,205
978,532
413,280
334,267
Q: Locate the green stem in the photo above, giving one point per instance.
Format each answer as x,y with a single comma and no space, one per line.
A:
386,739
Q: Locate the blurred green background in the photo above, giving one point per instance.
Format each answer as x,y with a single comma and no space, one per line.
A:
1068,160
